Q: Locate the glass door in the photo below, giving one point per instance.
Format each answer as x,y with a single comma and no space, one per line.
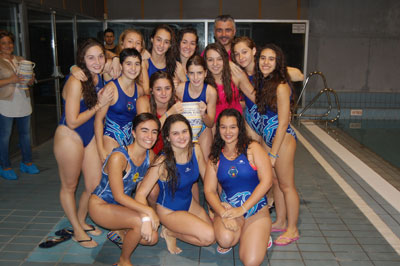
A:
42,46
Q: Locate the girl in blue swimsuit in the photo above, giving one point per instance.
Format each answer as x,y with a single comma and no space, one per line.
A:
113,122
111,205
244,51
242,168
163,54
175,171
274,101
196,90
74,142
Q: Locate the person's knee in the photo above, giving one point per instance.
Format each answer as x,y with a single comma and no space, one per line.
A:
69,187
286,187
225,239
207,237
251,259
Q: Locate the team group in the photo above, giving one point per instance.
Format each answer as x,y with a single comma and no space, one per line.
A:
123,128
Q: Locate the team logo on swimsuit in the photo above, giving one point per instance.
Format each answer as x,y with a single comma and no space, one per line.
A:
129,106
135,177
233,171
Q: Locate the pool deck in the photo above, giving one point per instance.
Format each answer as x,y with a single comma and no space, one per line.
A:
343,219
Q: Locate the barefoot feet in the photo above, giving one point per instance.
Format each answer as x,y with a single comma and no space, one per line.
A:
171,241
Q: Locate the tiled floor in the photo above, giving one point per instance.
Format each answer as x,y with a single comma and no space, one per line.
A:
333,230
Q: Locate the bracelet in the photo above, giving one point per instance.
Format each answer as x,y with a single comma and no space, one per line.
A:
166,114
275,156
146,219
244,208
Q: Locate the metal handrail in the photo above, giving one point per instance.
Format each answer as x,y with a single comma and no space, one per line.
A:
327,91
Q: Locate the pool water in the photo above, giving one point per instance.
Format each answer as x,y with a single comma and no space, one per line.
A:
380,136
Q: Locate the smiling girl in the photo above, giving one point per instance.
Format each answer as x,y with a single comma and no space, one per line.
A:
116,130
111,204
74,143
196,90
163,54
175,171
274,100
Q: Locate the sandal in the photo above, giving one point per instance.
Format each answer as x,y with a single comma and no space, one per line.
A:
222,250
52,241
115,238
80,242
93,230
288,240
269,243
274,230
70,232
65,232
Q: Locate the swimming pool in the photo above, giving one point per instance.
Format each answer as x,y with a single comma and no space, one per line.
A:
380,136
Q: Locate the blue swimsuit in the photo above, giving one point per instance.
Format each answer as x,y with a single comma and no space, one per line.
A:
86,130
152,68
130,179
202,97
266,124
188,174
118,122
188,98
238,180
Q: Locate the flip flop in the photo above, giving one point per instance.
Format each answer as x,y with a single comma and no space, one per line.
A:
65,232
83,241
92,230
115,238
222,250
290,240
274,230
52,241
269,242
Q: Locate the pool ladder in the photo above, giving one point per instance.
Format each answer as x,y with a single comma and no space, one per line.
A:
328,92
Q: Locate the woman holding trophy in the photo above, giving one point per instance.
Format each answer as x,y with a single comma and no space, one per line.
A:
15,104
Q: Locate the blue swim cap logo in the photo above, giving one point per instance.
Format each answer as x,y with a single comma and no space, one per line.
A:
233,171
129,106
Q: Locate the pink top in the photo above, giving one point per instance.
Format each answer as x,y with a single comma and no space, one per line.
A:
222,104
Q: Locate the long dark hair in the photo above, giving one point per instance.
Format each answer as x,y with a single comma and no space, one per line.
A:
182,33
171,54
266,86
226,70
88,87
154,77
169,161
219,143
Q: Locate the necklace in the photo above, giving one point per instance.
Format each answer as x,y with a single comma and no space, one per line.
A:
231,156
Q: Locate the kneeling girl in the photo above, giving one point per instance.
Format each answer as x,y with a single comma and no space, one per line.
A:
111,205
175,171
242,168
